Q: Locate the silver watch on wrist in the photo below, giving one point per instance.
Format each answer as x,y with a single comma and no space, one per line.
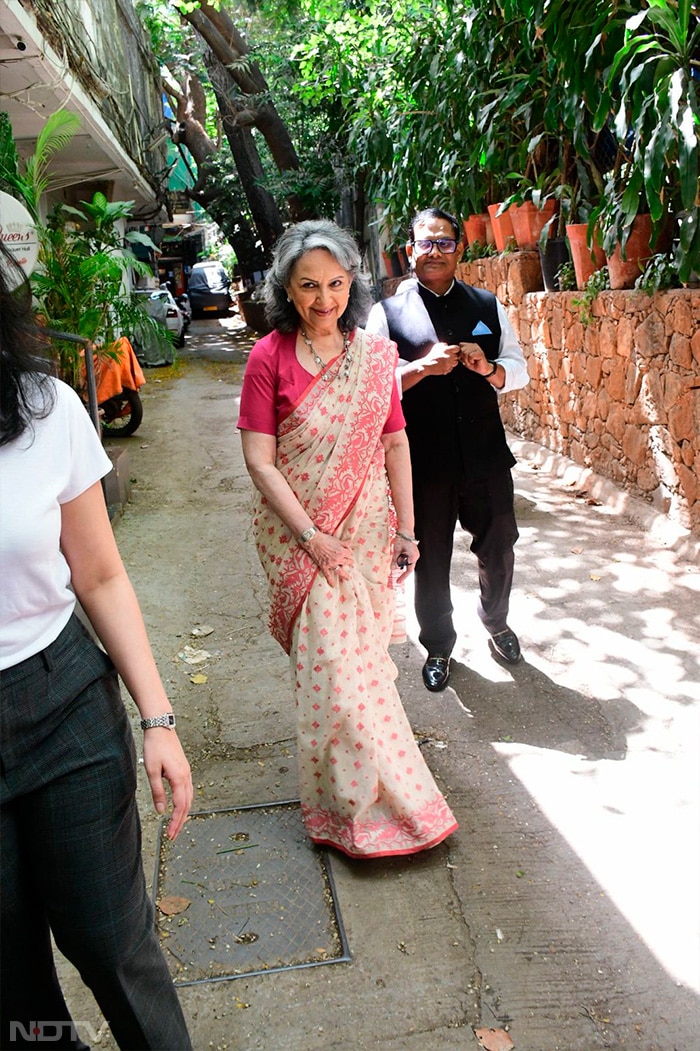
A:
167,720
308,534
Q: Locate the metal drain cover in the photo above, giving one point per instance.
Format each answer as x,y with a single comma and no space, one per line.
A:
244,892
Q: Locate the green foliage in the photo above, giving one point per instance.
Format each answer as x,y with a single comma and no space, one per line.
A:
566,277
30,180
660,272
81,283
653,94
598,282
476,250
420,102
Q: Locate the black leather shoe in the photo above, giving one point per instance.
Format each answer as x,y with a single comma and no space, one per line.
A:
436,671
506,646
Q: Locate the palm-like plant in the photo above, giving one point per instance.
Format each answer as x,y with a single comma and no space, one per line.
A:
81,282
652,90
30,183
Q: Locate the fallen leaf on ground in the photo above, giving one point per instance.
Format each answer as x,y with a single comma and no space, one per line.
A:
592,502
594,576
576,550
199,678
494,1039
172,905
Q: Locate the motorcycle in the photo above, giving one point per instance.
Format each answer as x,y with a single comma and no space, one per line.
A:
119,378
185,306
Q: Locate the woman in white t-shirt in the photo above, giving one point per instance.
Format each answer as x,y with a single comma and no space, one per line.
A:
70,846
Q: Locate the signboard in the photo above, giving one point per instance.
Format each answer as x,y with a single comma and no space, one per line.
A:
18,235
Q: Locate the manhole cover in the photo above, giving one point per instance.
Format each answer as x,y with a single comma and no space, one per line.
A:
243,892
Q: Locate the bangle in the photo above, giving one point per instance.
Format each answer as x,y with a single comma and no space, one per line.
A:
488,375
308,534
405,536
167,720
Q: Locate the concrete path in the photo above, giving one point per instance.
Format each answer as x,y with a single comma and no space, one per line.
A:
565,911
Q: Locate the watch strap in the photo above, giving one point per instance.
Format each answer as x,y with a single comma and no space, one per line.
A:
167,720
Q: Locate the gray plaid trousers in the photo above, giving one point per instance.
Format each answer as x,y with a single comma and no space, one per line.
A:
71,853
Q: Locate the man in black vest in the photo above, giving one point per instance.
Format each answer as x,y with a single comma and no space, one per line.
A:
457,349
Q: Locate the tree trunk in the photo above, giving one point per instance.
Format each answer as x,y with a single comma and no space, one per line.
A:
227,45
263,207
190,113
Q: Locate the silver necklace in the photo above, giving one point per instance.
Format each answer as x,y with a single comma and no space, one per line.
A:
343,368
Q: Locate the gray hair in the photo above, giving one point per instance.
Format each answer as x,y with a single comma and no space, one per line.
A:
295,242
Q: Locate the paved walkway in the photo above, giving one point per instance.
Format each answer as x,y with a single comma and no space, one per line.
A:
565,910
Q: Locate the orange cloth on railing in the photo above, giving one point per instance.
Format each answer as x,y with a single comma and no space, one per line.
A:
112,374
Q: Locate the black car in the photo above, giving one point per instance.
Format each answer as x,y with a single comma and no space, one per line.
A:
208,289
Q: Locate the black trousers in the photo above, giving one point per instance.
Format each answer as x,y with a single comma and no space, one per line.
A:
484,507
71,856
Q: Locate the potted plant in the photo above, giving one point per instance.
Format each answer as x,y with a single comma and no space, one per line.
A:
471,202
252,306
652,91
573,223
503,233
81,282
533,205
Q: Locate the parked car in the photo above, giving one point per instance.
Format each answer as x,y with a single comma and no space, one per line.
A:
158,303
208,288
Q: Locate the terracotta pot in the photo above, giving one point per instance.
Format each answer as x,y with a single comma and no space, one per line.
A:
624,272
586,260
529,221
502,228
475,228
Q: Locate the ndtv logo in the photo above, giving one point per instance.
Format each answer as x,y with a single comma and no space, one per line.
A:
50,1032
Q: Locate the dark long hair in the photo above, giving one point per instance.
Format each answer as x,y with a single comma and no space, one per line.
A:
295,242
26,390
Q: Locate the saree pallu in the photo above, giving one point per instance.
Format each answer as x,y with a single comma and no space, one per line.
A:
365,787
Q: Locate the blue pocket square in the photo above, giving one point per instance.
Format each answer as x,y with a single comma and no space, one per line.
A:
482,330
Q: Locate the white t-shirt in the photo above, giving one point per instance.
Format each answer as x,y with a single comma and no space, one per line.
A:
54,461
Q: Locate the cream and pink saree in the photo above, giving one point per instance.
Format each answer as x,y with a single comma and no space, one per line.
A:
364,785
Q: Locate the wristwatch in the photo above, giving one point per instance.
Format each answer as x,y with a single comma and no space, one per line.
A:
167,720
308,534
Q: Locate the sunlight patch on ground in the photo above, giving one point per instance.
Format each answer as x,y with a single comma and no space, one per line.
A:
630,823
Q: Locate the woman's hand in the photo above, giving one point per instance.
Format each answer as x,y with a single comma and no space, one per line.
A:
332,556
164,758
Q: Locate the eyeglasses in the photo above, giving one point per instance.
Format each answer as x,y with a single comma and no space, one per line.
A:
445,245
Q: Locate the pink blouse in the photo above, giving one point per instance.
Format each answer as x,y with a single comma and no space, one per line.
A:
275,380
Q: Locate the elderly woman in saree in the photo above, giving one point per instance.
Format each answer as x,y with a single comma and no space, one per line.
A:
324,443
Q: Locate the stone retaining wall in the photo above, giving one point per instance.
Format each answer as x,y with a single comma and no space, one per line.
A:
620,395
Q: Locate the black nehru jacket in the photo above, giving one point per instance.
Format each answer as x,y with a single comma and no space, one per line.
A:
452,422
